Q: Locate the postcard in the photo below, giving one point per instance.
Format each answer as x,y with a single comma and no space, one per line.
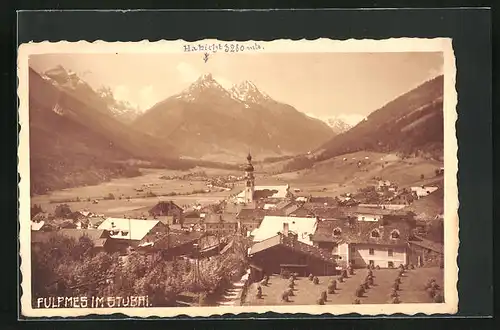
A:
231,177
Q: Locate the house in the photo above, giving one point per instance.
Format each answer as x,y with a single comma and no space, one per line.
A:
191,217
319,201
99,238
423,190
425,253
132,232
368,213
172,243
168,209
297,211
220,224
250,219
37,225
284,252
362,243
383,184
271,225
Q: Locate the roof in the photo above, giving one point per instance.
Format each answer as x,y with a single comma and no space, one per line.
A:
292,244
322,200
251,213
283,204
134,229
359,232
164,207
326,212
98,237
268,192
271,225
427,244
175,238
37,225
217,218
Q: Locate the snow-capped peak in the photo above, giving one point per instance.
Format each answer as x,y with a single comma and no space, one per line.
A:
203,83
246,91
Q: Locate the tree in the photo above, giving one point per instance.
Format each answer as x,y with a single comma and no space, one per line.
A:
35,209
422,176
62,211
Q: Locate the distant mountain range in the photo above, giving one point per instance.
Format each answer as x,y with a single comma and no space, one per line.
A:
206,120
101,98
75,140
412,124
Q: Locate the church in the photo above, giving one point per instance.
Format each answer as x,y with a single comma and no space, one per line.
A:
253,194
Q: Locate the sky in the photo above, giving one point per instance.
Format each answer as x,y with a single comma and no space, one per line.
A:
345,85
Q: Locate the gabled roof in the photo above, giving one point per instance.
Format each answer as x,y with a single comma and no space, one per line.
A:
36,226
358,232
272,225
164,207
427,244
131,229
292,244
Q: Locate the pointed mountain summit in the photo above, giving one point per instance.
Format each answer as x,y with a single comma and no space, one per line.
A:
246,91
206,121
204,85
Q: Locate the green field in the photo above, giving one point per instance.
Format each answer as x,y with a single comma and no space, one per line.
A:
307,293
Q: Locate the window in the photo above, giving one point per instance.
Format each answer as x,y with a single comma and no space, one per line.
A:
395,234
390,264
371,262
375,233
337,232
390,252
371,252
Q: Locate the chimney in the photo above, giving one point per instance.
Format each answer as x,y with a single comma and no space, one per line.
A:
285,229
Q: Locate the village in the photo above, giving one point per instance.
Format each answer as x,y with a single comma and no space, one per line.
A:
299,248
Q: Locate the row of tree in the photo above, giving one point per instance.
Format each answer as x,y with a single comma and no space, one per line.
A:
67,267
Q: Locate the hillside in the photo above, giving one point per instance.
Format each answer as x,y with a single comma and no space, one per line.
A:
412,124
209,122
73,143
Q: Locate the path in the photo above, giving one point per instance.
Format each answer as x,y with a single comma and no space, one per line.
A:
232,295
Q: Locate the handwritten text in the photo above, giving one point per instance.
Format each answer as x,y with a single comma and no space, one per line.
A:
222,47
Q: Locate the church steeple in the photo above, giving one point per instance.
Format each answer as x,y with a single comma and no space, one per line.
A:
250,184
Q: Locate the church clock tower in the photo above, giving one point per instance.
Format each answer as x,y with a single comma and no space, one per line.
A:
250,181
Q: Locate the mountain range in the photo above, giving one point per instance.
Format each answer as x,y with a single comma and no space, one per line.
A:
75,140
206,120
411,124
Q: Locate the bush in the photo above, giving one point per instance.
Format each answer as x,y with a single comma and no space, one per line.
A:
331,288
311,277
323,295
394,293
438,298
340,279
396,300
395,286
290,292
316,280
284,296
320,301
359,292
356,302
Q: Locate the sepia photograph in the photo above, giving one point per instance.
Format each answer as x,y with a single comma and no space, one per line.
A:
202,178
